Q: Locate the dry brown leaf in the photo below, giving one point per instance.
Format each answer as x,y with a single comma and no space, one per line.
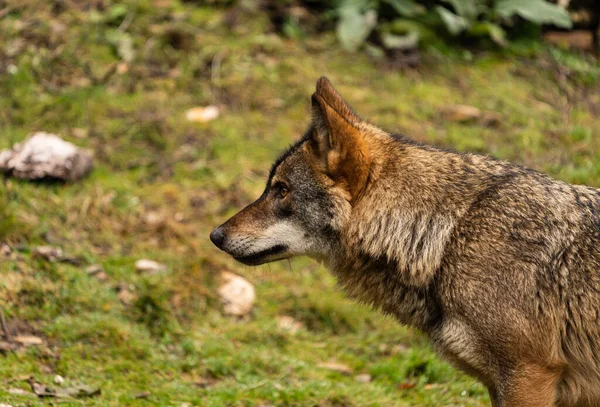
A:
406,385
363,378
287,323
149,266
28,340
49,253
461,113
336,367
202,114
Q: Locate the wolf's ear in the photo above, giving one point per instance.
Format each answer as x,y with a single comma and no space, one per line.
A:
337,141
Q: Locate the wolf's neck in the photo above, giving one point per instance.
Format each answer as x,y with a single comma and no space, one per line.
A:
411,209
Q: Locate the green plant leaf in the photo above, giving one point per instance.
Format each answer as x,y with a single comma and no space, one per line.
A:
465,8
403,26
403,42
122,43
354,27
407,8
491,30
455,24
536,11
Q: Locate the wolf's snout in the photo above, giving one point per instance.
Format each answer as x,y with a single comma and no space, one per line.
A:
217,236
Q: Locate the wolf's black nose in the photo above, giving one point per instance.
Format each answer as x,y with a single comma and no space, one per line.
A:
217,236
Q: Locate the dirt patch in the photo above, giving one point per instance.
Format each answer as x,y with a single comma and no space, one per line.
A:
16,334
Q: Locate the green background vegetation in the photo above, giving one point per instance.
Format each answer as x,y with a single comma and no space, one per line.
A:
118,78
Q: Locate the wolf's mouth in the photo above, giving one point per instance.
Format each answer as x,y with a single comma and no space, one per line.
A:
255,259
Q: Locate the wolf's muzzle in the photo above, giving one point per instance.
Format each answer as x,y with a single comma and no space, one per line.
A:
217,236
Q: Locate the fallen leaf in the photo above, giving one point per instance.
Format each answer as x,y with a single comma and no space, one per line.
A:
289,324
154,218
7,347
237,294
363,378
336,367
79,132
122,68
20,392
78,391
490,119
5,250
578,39
49,253
142,395
40,390
28,340
75,391
93,269
124,294
149,266
406,385
202,114
461,113
399,349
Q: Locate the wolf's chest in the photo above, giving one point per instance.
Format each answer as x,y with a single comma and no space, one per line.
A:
380,284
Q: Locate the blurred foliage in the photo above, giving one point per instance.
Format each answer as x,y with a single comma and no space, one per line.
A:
391,25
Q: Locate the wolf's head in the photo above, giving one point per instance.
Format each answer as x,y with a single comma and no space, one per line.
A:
310,190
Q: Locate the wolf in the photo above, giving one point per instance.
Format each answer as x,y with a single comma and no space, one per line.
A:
497,264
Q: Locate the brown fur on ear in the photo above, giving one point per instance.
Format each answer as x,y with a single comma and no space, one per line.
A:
326,90
338,142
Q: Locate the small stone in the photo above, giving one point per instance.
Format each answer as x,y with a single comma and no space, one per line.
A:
149,266
363,378
237,294
58,379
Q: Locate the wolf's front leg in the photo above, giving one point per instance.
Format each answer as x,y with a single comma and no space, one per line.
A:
528,386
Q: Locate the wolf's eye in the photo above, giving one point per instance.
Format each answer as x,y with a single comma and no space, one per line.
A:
281,190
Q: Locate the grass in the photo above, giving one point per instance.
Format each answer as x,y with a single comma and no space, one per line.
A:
162,183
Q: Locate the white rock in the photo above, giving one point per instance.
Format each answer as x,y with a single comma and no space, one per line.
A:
45,155
58,379
149,266
237,294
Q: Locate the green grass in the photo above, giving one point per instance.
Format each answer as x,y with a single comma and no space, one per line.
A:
172,340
